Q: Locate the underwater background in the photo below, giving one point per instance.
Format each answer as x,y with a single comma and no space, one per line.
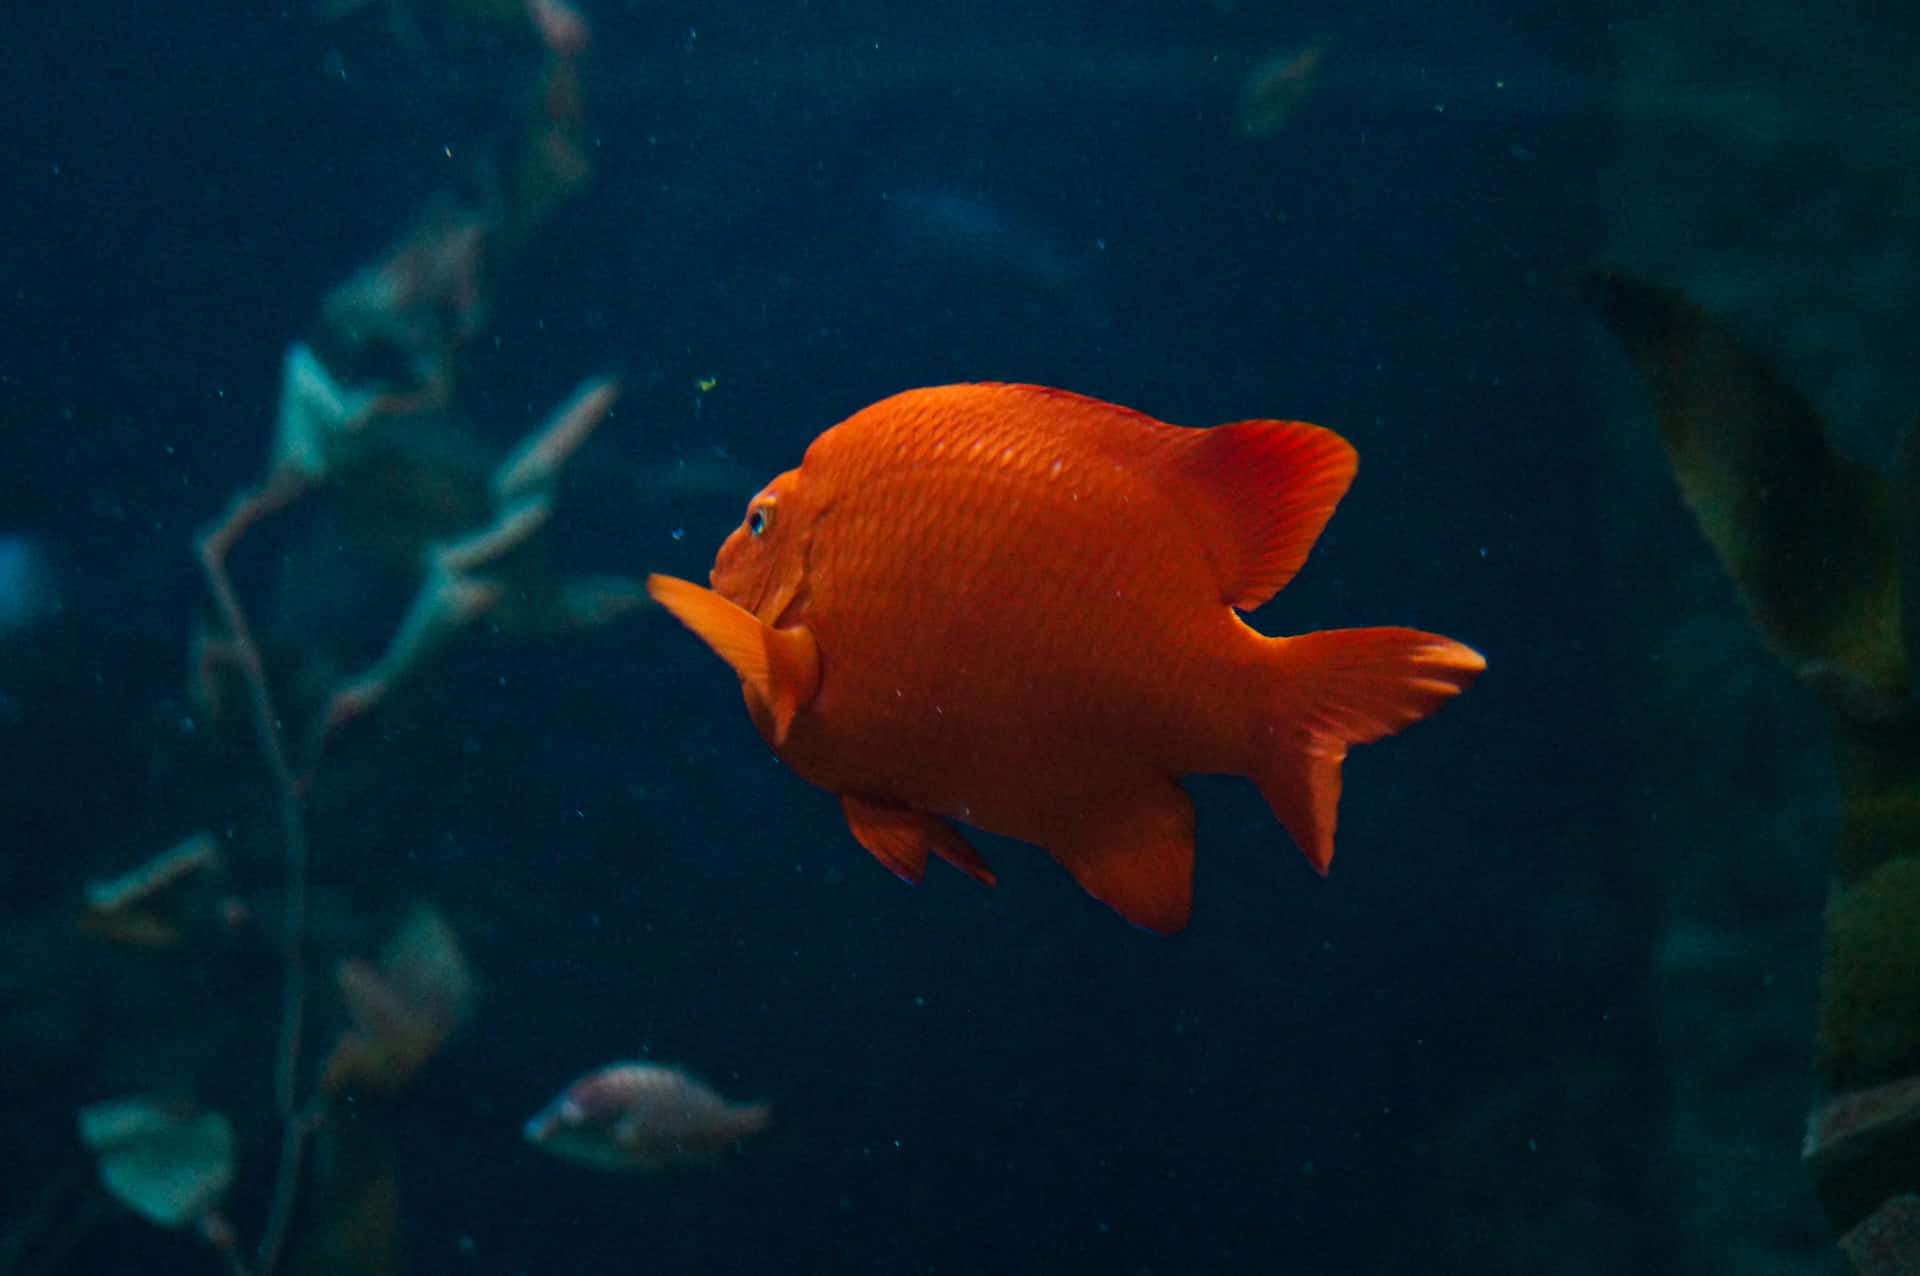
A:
1552,1011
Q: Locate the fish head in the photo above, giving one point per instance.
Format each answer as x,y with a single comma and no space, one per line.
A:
761,566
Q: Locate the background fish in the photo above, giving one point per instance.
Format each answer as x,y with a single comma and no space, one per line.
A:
946,239
641,1116
1014,606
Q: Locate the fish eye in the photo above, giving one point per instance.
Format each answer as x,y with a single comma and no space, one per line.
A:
757,519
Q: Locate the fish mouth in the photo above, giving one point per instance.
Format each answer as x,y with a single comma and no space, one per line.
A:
744,588
759,595
766,599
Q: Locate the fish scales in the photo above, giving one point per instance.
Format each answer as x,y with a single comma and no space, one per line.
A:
933,681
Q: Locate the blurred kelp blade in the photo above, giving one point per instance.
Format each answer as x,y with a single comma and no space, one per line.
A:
1806,534
167,1163
1906,504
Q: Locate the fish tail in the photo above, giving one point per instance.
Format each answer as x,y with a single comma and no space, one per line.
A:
1340,687
748,1118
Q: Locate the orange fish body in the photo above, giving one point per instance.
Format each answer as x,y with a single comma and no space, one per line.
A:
1015,607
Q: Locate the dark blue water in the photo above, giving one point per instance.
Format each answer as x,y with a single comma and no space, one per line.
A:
818,205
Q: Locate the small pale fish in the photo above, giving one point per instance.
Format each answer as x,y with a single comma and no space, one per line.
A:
641,1116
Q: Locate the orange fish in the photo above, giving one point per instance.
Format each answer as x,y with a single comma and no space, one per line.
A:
1015,607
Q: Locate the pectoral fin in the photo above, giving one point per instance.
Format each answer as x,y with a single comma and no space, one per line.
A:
779,667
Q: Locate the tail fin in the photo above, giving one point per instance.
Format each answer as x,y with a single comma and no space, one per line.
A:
1342,687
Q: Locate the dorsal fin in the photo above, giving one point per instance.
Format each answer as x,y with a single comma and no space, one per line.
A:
1265,489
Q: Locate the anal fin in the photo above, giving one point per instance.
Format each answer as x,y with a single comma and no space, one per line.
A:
1135,855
